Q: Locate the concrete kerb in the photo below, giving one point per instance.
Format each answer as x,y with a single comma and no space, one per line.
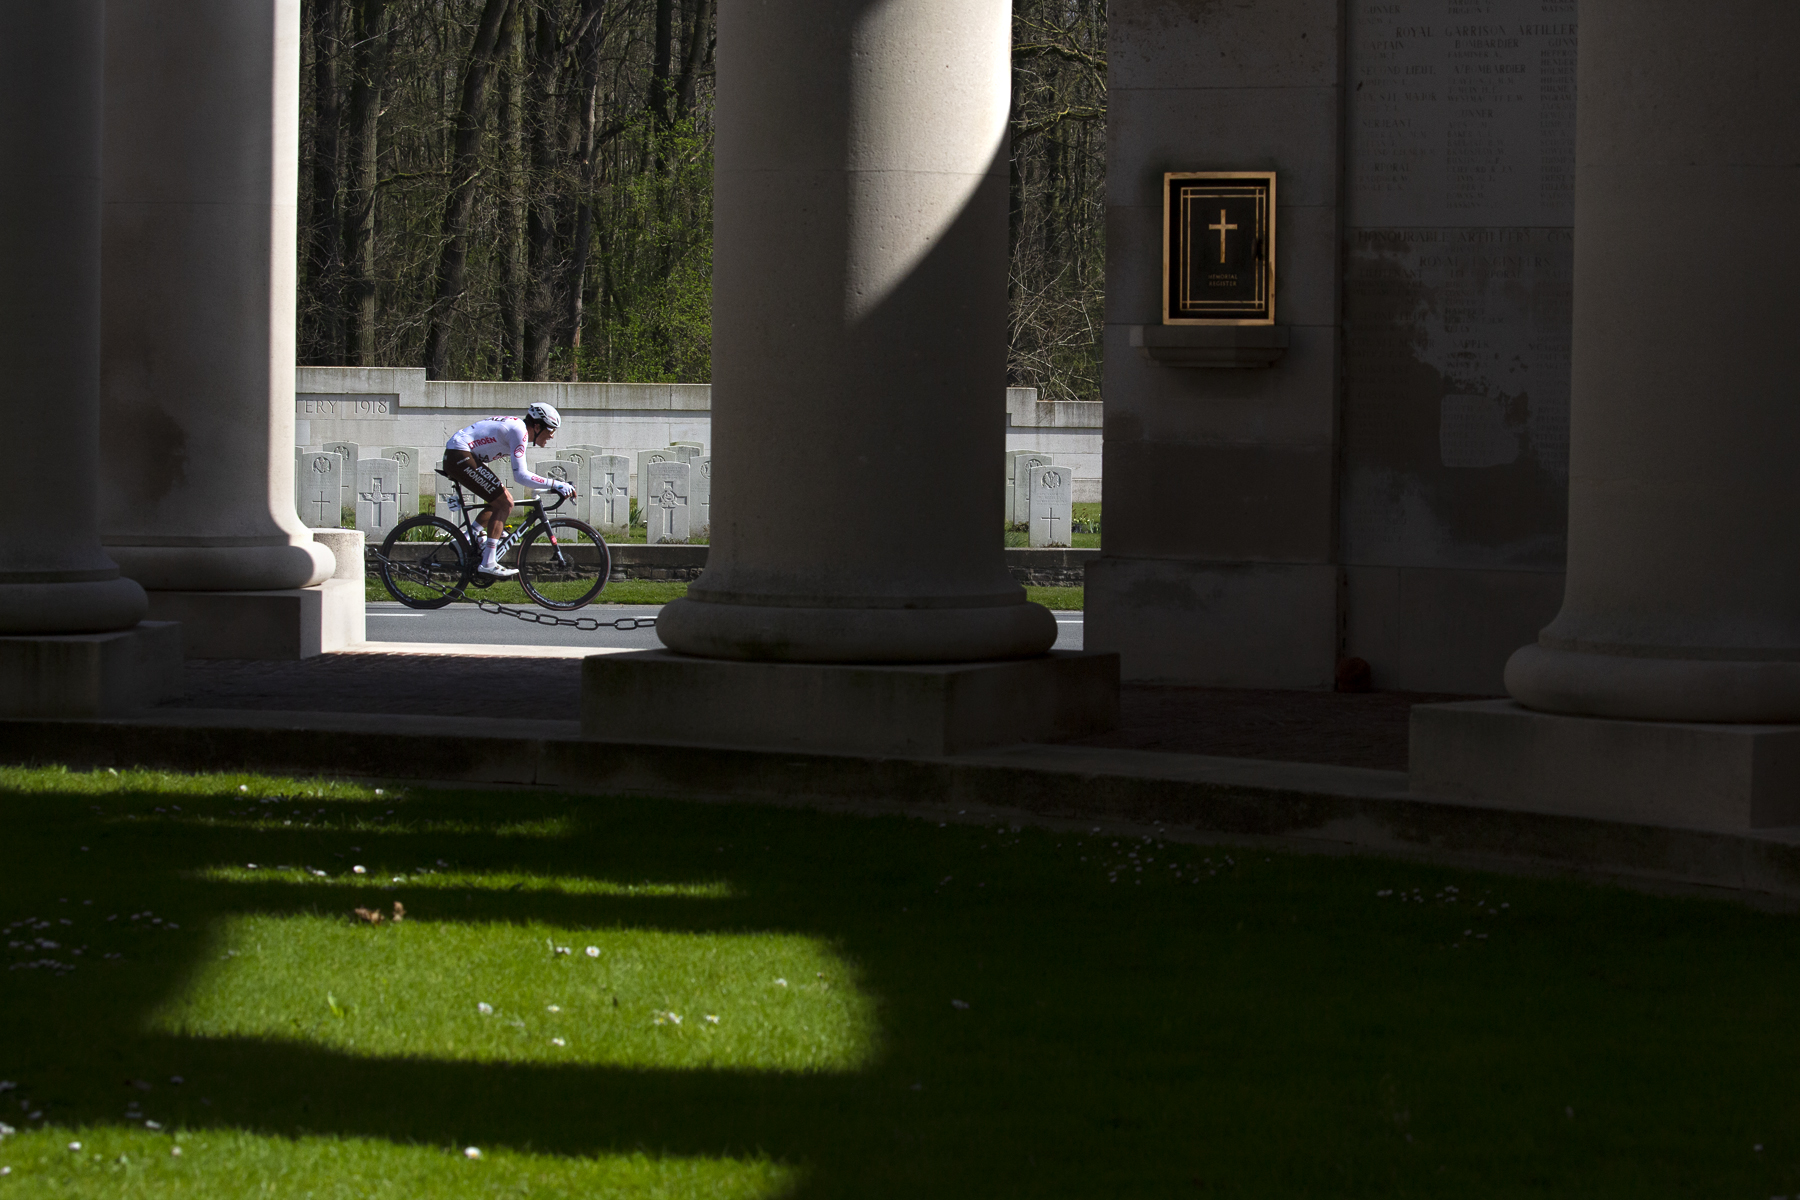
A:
1293,806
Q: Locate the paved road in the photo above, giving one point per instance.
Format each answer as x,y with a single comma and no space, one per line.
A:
467,625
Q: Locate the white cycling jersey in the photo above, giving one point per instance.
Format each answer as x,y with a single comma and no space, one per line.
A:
499,437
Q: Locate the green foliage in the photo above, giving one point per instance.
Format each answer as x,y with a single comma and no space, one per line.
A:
652,322
970,1011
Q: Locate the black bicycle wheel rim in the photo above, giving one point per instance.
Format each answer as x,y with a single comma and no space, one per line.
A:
430,578
569,574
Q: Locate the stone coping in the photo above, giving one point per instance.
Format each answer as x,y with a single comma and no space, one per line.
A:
1192,797
411,389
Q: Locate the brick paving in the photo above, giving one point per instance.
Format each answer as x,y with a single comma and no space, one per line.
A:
1346,729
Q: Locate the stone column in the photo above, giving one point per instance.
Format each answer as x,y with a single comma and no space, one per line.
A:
54,577
859,339
197,388
1683,595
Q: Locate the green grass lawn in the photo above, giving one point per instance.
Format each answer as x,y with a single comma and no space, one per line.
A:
631,998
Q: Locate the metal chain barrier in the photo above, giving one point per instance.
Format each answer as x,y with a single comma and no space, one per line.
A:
584,624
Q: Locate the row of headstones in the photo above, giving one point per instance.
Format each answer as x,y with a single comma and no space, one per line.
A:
674,488
1041,495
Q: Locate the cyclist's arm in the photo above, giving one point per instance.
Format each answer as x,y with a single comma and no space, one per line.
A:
525,478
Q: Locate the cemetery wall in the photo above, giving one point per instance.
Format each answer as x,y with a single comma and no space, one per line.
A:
1394,488
397,406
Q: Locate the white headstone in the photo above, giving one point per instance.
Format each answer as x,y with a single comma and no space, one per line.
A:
572,471
609,495
378,496
319,489
1050,500
685,452
1023,464
582,509
644,459
350,452
409,456
700,502
700,446
665,502
446,497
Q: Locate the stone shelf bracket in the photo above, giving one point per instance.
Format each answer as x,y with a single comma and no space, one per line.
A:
1215,346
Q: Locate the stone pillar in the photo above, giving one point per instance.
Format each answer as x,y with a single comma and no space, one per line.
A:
197,384
54,578
859,339
1667,690
1683,593
71,642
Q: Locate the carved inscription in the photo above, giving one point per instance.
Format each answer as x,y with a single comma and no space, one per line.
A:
348,408
1457,284
1462,112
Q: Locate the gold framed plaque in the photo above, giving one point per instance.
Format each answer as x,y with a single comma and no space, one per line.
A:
1219,248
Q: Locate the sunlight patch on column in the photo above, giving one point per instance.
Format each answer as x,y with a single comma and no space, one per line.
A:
529,993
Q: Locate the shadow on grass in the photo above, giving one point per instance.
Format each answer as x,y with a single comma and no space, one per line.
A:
1216,1022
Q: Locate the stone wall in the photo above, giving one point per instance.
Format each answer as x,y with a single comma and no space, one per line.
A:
1036,568
397,406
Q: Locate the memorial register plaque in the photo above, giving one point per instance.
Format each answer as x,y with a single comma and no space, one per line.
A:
1219,248
1458,265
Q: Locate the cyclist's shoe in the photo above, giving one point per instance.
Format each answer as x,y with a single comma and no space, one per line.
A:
496,571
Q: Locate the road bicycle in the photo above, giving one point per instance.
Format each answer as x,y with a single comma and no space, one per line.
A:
428,561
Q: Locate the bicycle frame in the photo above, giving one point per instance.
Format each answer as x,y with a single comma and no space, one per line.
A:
474,534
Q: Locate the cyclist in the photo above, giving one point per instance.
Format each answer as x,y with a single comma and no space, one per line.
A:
467,454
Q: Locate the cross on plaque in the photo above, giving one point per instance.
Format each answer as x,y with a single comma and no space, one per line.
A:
1221,227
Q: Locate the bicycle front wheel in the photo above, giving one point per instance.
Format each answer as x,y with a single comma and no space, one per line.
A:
563,564
426,562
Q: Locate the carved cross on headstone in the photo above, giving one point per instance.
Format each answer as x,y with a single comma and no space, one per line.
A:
377,499
669,501
1050,481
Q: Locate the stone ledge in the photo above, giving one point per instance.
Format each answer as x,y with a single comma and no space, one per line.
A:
930,709
90,674
1498,753
1216,346
1297,805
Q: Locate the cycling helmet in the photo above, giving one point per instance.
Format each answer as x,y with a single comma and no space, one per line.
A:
544,415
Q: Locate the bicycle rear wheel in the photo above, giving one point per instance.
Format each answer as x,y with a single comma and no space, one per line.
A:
564,564
426,562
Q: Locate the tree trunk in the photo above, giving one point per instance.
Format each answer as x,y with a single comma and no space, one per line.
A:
540,226
588,84
698,51
662,60
512,149
373,39
324,248
452,273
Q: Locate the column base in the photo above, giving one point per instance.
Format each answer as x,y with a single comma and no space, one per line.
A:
771,633
90,674
906,710
1501,754
283,625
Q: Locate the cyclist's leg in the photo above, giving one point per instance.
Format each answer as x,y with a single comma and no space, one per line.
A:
474,474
